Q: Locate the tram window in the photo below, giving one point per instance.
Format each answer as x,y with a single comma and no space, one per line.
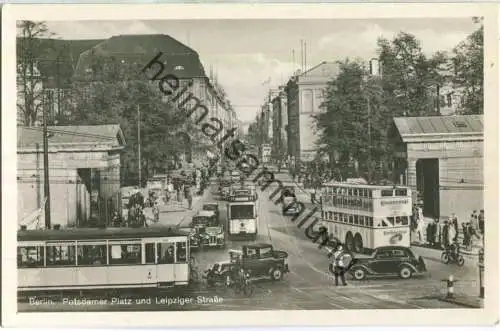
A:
401,192
30,257
386,193
91,254
166,253
405,220
125,254
150,252
61,255
181,252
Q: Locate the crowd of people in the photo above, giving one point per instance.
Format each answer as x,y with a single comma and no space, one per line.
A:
178,188
442,234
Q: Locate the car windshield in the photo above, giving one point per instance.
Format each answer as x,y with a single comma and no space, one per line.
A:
242,211
200,220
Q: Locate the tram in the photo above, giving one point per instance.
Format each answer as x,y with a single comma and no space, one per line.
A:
113,258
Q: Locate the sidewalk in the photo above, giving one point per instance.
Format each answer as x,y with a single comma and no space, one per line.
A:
176,213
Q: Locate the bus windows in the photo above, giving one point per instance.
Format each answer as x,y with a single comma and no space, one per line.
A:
150,253
402,220
351,219
30,257
369,193
125,254
330,215
401,192
356,219
390,221
61,255
181,252
91,254
370,221
386,193
166,253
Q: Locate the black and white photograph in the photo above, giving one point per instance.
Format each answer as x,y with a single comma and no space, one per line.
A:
258,164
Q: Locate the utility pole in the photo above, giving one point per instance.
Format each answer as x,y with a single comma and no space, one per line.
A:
139,143
46,184
369,139
438,108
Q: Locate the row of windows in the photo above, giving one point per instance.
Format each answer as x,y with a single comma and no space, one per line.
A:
365,192
93,255
349,202
367,221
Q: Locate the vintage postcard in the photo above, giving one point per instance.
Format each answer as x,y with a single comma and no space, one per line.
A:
250,165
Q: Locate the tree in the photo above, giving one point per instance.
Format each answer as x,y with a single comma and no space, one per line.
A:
110,94
30,80
359,108
409,78
467,67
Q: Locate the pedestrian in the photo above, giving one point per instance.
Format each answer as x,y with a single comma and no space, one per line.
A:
452,234
454,223
444,235
481,222
156,212
188,195
420,229
341,260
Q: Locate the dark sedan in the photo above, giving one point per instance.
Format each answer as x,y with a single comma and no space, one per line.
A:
389,261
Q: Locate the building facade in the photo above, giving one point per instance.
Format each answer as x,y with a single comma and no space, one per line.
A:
305,94
441,159
84,174
280,124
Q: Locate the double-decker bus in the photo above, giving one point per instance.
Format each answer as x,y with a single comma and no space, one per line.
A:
367,216
114,258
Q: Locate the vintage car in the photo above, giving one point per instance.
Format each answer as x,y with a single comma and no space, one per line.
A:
387,261
207,230
261,261
235,176
289,203
212,206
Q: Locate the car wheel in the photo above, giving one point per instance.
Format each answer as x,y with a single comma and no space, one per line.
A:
359,274
460,260
277,274
405,273
445,258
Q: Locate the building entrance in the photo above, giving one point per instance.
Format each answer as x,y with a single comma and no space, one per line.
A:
428,186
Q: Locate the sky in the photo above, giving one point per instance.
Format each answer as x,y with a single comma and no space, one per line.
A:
252,56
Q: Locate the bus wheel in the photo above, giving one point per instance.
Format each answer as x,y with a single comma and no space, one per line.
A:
358,243
349,241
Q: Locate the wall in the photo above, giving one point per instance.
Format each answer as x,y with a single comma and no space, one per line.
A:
68,194
460,173
311,98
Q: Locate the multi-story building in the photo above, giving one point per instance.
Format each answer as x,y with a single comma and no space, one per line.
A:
305,94
170,57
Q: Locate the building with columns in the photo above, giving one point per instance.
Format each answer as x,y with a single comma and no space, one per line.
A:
84,174
305,94
441,158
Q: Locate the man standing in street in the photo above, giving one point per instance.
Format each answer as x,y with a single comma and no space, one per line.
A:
341,260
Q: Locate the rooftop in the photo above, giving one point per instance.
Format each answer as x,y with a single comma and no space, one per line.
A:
108,134
439,125
179,59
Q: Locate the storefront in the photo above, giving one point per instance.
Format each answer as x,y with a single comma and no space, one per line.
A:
441,159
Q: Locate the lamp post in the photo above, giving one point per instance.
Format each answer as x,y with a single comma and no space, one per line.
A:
46,184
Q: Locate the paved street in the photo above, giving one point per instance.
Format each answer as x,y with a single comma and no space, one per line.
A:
308,285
